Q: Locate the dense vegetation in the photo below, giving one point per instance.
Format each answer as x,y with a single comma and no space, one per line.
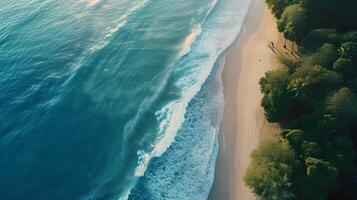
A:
314,98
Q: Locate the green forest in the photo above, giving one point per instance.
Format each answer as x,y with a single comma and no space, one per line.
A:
313,96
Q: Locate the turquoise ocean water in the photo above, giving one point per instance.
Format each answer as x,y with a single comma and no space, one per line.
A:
112,99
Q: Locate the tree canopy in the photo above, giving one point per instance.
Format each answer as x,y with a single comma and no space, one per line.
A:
270,173
343,104
278,6
276,100
316,38
321,177
310,83
349,50
325,56
314,98
293,22
345,67
337,14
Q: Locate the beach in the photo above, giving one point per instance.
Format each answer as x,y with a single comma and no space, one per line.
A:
244,125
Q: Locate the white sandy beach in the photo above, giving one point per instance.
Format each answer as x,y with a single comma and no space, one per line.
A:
244,124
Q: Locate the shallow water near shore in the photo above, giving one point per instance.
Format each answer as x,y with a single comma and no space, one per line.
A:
94,92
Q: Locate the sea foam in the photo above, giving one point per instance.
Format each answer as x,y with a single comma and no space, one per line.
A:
219,30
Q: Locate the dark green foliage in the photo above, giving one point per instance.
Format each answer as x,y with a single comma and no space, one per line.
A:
310,83
317,149
314,5
350,36
344,66
343,15
321,177
311,149
338,150
325,124
349,50
353,84
269,174
296,138
316,38
329,125
325,56
278,6
287,61
324,159
276,101
305,165
340,153
343,104
293,23
337,14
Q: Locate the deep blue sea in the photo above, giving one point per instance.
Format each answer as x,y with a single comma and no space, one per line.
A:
112,99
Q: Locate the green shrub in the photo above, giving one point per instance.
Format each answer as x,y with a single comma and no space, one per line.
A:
325,56
310,84
350,36
276,101
306,96
293,23
269,174
278,6
340,153
344,66
343,104
349,50
316,38
324,124
321,177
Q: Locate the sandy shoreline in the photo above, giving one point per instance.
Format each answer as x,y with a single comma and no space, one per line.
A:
244,124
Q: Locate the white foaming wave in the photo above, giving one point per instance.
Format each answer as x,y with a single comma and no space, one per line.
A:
195,33
186,46
192,157
197,151
219,31
168,113
165,116
173,112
